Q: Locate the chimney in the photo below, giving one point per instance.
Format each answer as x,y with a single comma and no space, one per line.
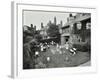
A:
35,27
61,23
31,25
70,15
49,21
41,24
55,21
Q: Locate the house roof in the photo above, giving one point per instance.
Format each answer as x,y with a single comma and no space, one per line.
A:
85,17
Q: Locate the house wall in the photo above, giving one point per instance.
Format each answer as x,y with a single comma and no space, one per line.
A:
77,36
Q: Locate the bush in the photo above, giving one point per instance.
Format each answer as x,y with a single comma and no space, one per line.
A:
83,48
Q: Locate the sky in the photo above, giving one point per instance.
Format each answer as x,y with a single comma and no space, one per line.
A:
36,17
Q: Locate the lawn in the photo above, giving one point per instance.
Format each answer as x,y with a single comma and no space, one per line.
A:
60,58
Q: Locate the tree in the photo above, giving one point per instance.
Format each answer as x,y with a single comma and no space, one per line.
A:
38,37
53,30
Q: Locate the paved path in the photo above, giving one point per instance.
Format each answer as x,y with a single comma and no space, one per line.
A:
86,64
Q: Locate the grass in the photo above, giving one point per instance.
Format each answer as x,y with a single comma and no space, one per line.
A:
63,59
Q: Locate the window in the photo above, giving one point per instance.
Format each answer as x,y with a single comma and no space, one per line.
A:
79,25
88,25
